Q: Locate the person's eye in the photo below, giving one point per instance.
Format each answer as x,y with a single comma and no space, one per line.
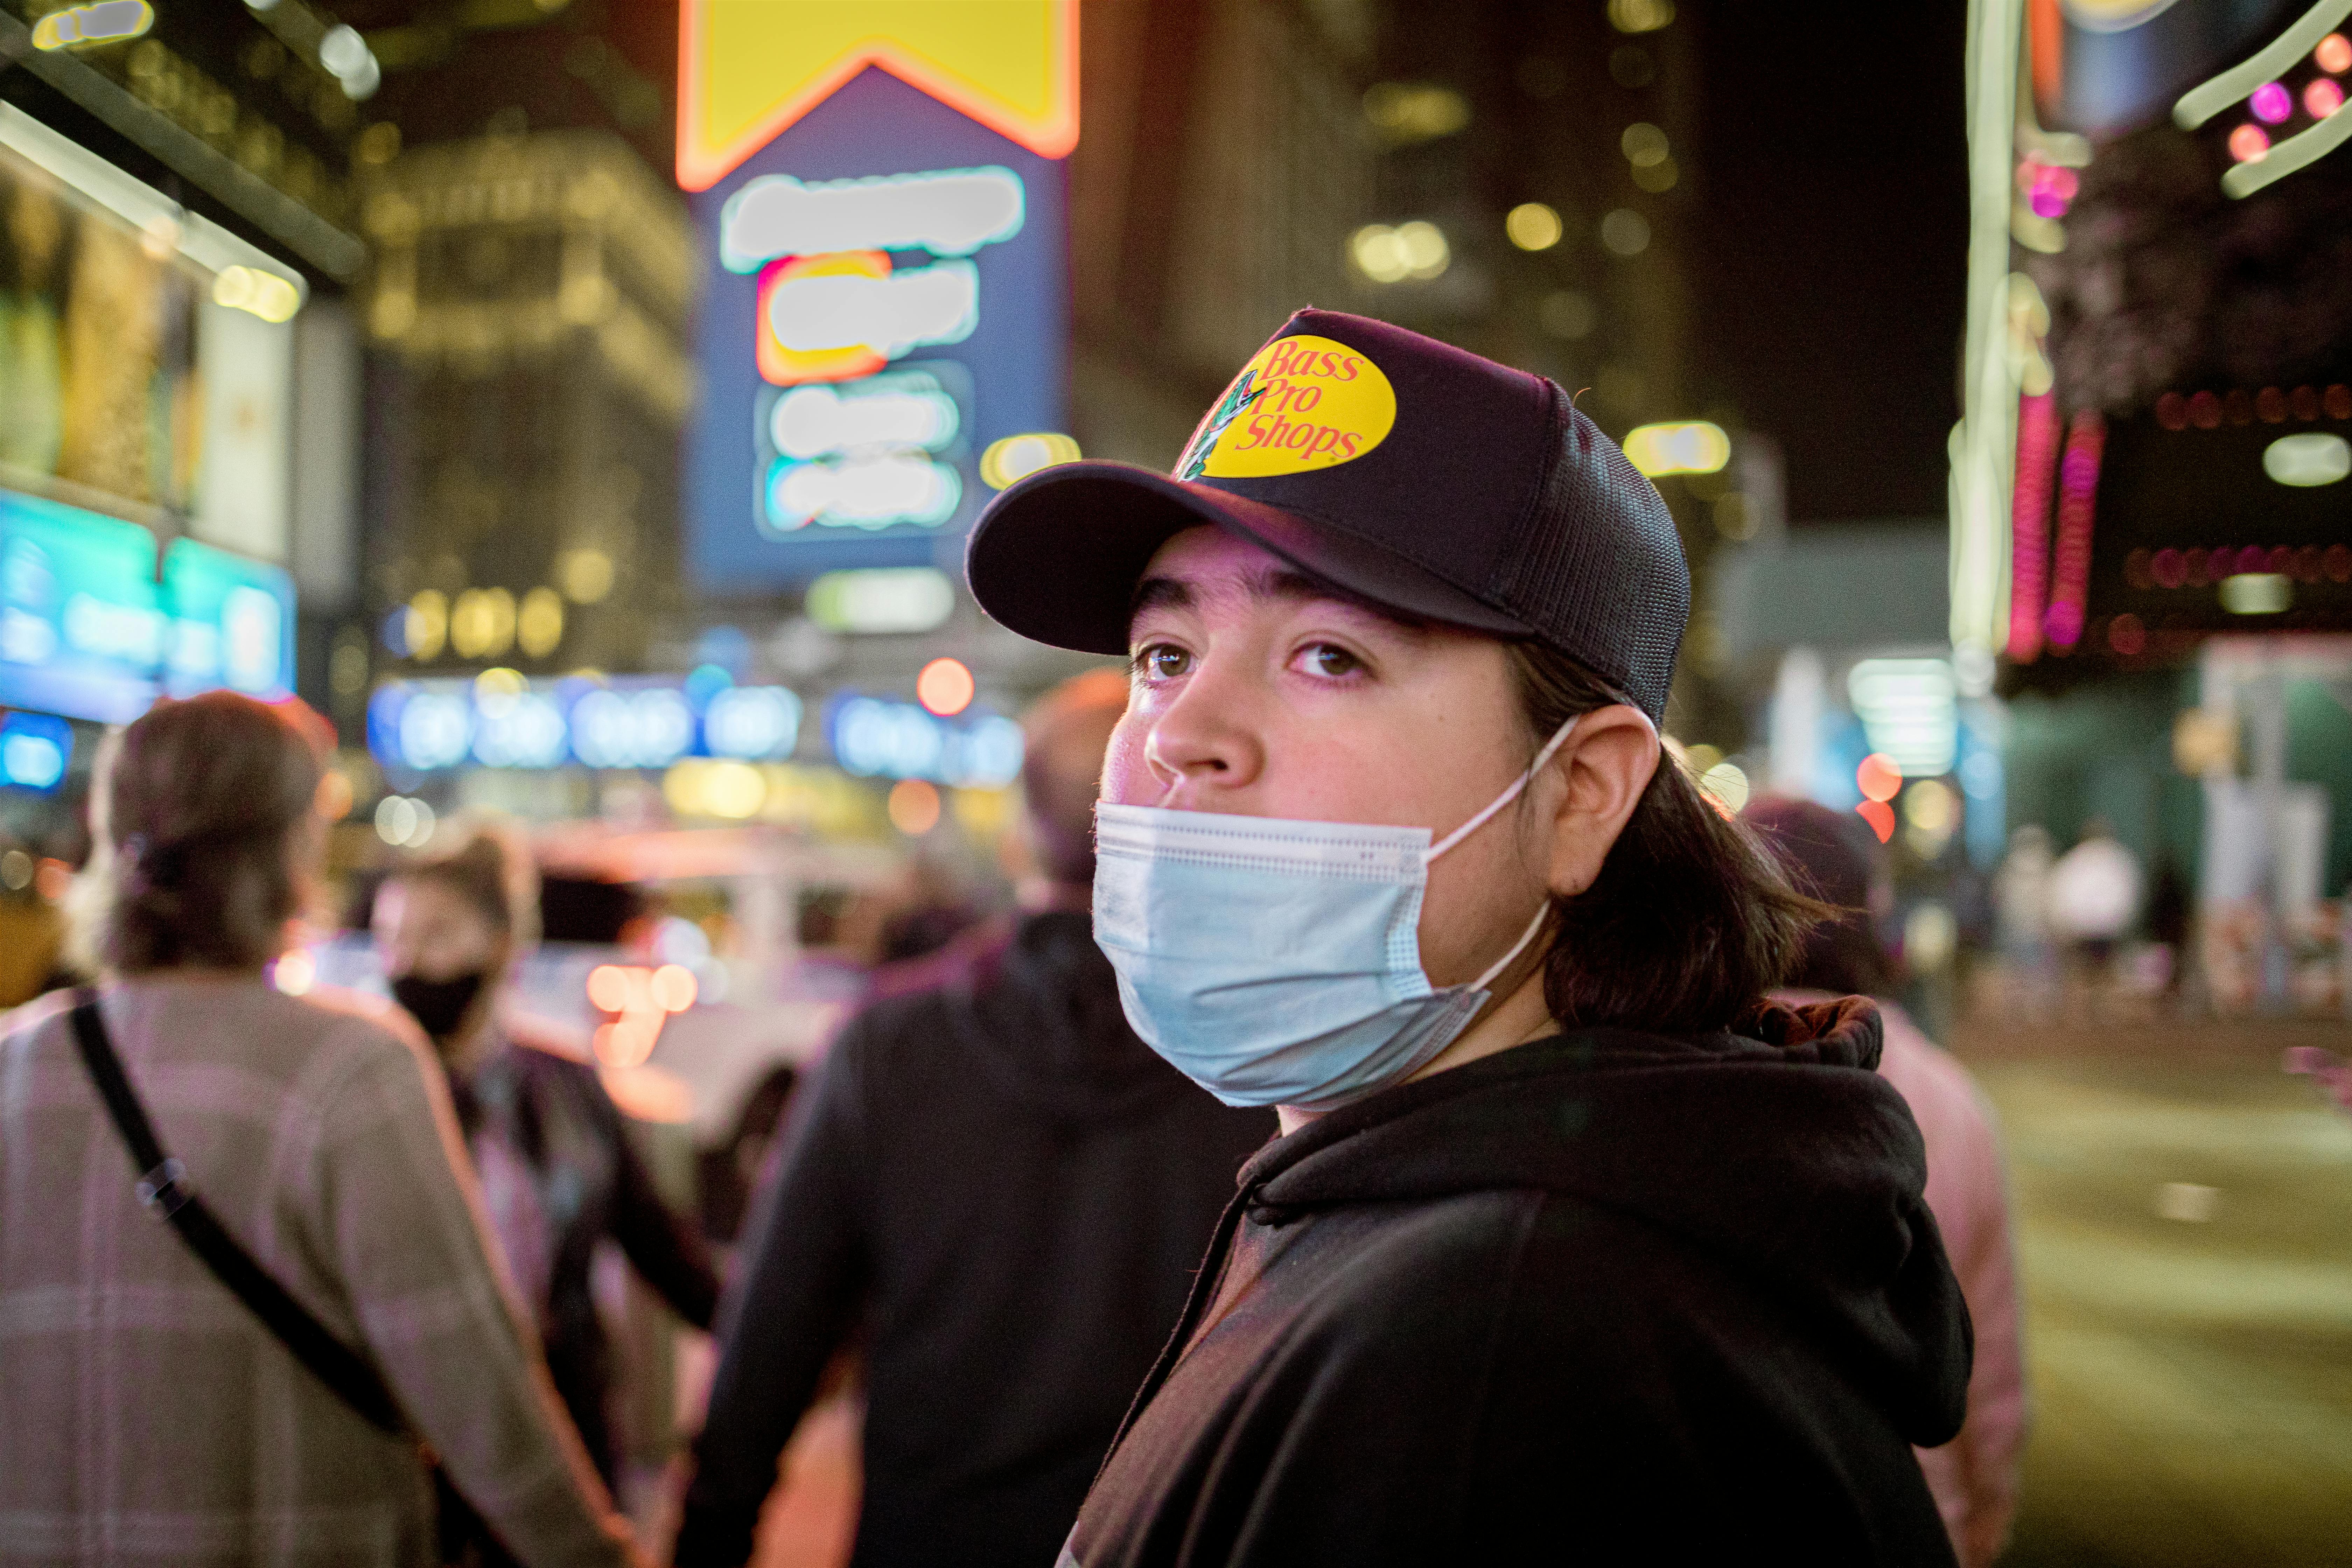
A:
1328,661
1162,661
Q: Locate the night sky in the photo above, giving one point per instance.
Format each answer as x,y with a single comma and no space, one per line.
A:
1829,275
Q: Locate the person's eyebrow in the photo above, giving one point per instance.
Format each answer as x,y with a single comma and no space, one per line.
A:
1288,582
1160,594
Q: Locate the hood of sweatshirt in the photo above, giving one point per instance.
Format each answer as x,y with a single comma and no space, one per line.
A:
1777,1149
1037,1006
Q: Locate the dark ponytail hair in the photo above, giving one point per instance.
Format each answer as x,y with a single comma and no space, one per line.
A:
1690,921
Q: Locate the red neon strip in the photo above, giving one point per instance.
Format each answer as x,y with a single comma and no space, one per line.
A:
2078,488
2028,549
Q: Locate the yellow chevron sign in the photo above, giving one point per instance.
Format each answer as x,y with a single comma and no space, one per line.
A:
749,69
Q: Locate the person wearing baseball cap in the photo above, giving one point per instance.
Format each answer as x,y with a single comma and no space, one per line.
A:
1570,1236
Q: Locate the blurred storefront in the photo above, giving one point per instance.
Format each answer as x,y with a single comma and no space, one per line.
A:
2148,522
178,388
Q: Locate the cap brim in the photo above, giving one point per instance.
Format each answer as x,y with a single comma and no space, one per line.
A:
1058,556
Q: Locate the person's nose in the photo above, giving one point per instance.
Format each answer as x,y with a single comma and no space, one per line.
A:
1204,743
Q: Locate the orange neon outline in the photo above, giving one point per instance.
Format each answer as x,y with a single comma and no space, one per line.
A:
1053,136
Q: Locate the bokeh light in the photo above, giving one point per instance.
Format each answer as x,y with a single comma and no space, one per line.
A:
914,807
2321,98
1878,778
2249,143
945,687
1415,250
2126,636
2334,53
295,973
673,987
608,988
2270,103
1880,817
1532,225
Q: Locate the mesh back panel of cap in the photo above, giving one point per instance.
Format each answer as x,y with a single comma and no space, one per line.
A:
1600,570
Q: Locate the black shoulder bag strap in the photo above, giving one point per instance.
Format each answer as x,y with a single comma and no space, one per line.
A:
164,1188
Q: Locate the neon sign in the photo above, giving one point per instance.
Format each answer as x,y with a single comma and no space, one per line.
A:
750,69
829,318
885,293
951,211
866,454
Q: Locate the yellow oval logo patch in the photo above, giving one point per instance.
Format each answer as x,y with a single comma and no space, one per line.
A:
1303,404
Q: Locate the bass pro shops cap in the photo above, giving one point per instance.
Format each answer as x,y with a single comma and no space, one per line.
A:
1395,467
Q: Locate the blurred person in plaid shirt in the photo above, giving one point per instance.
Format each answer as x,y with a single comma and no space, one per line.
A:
147,1411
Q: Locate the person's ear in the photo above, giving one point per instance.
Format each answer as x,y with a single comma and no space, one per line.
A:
1597,778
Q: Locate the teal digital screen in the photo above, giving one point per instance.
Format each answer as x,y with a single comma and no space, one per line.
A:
231,623
81,630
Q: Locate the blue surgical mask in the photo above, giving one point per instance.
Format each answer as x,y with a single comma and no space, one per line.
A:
1278,962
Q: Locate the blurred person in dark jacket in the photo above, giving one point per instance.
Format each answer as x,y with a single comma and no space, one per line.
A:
1008,1190
1831,855
559,1172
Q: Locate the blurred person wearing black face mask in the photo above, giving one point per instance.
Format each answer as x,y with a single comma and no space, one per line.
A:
1010,1191
557,1168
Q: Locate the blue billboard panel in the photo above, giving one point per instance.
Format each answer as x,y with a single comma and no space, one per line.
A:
231,623
81,630
884,297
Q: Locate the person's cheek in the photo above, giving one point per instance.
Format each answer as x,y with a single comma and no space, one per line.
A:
1127,778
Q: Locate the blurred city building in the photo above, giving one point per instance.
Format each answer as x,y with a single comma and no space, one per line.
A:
530,303
179,376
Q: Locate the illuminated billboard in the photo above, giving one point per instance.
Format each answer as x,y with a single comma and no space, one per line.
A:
885,292
80,629
230,623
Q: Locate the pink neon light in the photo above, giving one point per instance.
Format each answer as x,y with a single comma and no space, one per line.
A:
2078,487
2028,550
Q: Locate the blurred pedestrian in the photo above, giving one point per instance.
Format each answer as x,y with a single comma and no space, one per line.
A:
1009,1190
559,1171
1573,1242
1831,855
2095,895
147,1412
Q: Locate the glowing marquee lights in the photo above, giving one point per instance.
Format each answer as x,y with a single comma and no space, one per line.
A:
425,726
902,740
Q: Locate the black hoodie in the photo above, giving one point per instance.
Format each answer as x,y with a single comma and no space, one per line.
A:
1603,1298
1011,1193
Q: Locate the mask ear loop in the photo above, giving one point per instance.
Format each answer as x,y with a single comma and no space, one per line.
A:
1517,948
1551,747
